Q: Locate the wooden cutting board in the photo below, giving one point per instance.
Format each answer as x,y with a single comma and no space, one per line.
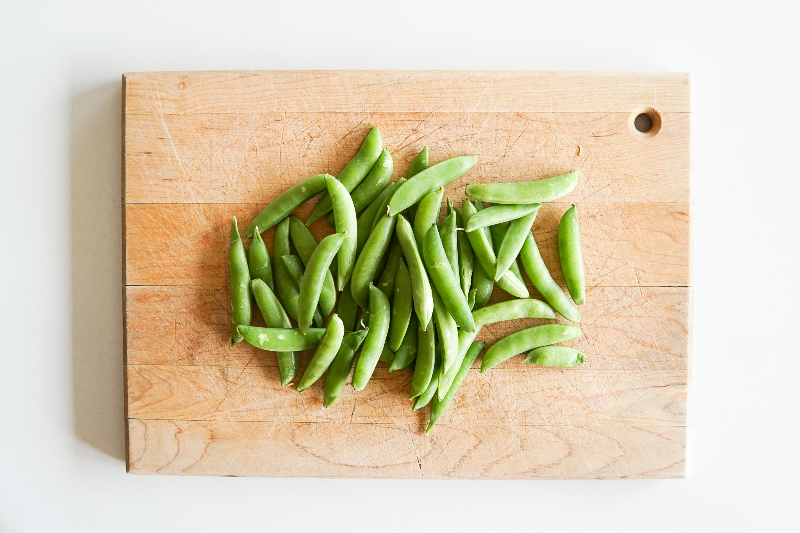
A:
201,147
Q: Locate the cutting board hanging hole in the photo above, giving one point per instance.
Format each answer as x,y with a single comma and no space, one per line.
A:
645,122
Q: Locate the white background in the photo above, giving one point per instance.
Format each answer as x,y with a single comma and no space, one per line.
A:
61,427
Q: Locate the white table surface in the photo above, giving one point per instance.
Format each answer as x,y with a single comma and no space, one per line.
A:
61,428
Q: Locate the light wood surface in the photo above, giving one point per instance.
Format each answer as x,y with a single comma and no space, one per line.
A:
203,147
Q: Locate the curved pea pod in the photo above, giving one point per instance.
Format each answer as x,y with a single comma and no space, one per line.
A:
426,366
483,285
376,338
530,192
543,282
427,395
258,260
282,339
560,356
527,339
364,223
388,278
286,288
407,351
294,267
497,214
429,180
325,354
466,257
419,163
471,298
511,281
347,309
448,331
373,184
513,285
420,284
380,214
445,282
569,251
512,243
369,260
287,202
241,307
402,304
346,225
440,405
387,355
353,173
447,232
479,240
275,317
340,368
512,310
427,214
305,244
465,339
314,277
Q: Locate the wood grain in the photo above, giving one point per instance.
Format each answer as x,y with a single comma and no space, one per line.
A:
202,147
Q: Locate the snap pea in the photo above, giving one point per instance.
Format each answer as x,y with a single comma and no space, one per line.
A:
483,285
287,290
326,352
426,366
498,214
380,214
541,279
305,244
419,163
314,277
407,351
530,192
447,232
420,285
275,317
346,225
353,173
288,201
258,260
340,368
440,405
512,310
282,339
369,259
368,215
427,395
386,283
347,309
427,214
466,257
465,339
295,269
471,298
527,339
429,180
512,242
480,242
241,307
402,304
376,338
512,281
387,356
448,331
569,251
561,356
445,282
376,180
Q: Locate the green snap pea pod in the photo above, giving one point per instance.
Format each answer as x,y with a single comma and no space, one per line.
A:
427,214
569,251
448,331
483,285
447,232
427,365
368,215
429,180
466,257
347,309
380,214
387,355
440,405
420,284
375,342
305,244
527,339
241,306
374,183
479,240
512,242
287,290
541,279
288,201
419,163
465,339
295,269
430,391
445,284
512,310
258,260
353,173
407,351
497,214
346,225
388,277
512,281
325,354
275,317
368,261
530,192
561,356
402,304
314,277
282,339
340,368
471,298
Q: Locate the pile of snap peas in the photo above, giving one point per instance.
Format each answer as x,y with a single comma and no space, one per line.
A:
407,290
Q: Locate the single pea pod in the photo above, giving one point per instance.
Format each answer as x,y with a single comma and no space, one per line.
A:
380,214
429,180
347,309
340,368
419,163
512,281
497,214
325,354
353,173
374,183
426,366
407,351
466,257
258,260
402,304
346,225
483,285
386,283
512,242
305,244
512,310
420,284
543,282
560,356
440,405
527,339
479,240
364,223
295,269
282,339
569,251
448,331
425,397
314,277
471,298
447,232
376,338
530,192
288,201
446,284
287,289
465,339
369,260
387,356
275,317
241,306
427,214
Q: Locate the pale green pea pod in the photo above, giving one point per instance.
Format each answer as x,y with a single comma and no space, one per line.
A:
258,260
347,309
340,368
497,214
569,251
380,214
375,342
346,225
419,163
407,351
471,298
543,282
425,397
512,281
241,306
275,317
559,356
465,339
286,289
447,232
364,223
483,285
530,192
466,257
427,214
388,277
448,331
294,267
305,244
282,339
325,354
314,277
527,339
440,405
446,284
373,184
287,202
420,284
368,261
426,366
512,243
479,240
429,180
512,310
402,304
